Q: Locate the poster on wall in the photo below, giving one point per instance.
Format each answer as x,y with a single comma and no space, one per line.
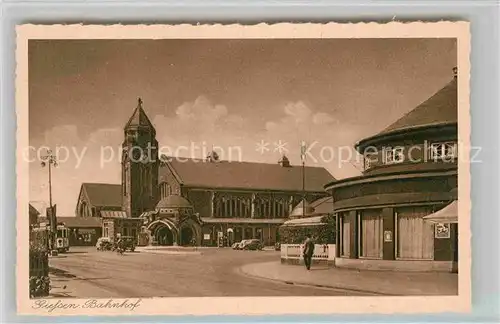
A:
442,230
387,236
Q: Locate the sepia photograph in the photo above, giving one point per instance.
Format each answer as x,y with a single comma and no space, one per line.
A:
271,166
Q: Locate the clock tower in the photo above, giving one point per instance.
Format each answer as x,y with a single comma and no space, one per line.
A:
139,164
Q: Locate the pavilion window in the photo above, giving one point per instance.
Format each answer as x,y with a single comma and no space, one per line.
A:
394,155
443,151
415,236
370,233
369,161
346,236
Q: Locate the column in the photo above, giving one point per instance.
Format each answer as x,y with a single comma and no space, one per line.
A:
212,204
338,234
389,228
290,205
252,205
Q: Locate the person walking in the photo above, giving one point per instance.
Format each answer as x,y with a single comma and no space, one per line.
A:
308,252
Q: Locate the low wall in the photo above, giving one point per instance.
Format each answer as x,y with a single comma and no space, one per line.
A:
323,254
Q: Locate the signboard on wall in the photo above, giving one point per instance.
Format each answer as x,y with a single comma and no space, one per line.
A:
206,236
442,230
387,236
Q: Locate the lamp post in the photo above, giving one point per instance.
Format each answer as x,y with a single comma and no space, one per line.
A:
303,150
49,160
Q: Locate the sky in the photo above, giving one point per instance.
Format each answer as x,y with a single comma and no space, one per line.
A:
229,94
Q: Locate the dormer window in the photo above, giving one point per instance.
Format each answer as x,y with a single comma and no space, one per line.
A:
443,151
394,155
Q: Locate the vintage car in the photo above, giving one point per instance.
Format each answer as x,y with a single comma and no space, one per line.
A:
253,244
126,243
239,245
104,244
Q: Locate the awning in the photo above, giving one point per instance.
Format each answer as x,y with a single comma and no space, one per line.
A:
113,214
308,221
448,214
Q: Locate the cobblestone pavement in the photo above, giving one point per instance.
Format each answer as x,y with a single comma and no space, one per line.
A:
87,273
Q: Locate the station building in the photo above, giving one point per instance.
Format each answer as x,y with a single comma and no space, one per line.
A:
410,172
183,201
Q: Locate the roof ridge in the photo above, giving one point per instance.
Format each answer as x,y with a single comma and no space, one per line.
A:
247,162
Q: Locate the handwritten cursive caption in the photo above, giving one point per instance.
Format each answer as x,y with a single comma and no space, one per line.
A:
52,305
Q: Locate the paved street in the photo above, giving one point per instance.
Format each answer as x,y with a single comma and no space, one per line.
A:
215,272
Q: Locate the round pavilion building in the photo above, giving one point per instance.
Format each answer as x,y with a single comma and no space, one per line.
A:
410,171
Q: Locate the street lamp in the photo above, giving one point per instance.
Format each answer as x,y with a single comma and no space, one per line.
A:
50,160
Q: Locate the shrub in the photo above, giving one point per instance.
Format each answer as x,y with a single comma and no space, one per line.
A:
39,281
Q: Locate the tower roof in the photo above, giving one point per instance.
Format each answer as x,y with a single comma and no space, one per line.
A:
139,117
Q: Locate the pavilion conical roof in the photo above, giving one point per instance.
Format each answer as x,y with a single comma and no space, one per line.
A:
440,108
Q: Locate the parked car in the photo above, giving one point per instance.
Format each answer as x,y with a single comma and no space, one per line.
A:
235,245
126,243
241,244
254,244
104,244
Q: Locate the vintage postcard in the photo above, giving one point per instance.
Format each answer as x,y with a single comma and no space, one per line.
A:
243,170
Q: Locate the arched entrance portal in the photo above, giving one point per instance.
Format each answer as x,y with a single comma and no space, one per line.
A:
164,236
163,232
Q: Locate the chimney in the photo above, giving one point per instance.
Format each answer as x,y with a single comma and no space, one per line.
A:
284,162
455,72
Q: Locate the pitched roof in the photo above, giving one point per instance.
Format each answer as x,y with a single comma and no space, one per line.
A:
246,175
139,118
440,108
103,194
33,211
80,222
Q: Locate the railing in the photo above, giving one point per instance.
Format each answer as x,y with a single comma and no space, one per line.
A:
322,252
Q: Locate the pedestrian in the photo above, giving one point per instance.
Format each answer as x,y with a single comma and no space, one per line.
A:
308,252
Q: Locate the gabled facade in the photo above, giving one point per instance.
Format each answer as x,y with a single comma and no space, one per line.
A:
97,197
